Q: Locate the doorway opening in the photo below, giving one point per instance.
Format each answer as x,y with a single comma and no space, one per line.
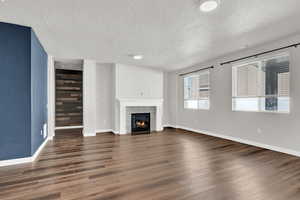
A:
68,98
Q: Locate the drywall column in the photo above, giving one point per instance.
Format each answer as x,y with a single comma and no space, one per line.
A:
89,98
51,98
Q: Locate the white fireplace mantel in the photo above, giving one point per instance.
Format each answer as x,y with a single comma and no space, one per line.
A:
123,103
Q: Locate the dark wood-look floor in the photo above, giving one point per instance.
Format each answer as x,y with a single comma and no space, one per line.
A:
65,134
169,165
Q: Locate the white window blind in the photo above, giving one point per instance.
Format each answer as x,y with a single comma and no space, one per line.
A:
262,86
196,90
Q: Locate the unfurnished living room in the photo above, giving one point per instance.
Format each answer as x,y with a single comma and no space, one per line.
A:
149,100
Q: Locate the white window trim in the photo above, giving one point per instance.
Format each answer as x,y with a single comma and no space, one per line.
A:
262,111
197,108
209,88
252,61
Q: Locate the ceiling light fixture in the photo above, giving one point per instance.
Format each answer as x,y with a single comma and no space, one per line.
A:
209,5
137,57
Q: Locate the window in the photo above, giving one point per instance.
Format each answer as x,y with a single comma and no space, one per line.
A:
196,90
262,86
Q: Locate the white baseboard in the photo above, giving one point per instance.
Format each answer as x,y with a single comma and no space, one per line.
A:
118,133
24,160
50,137
18,161
239,140
104,130
89,134
67,127
169,125
38,151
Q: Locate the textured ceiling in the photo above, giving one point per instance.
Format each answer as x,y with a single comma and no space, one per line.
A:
171,34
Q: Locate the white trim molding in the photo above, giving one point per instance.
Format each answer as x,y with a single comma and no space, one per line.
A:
85,134
38,151
18,161
169,126
67,127
243,141
51,97
104,131
89,97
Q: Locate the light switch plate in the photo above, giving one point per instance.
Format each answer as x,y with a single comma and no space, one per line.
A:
45,130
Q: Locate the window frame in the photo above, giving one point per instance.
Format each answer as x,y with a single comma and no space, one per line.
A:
209,89
258,61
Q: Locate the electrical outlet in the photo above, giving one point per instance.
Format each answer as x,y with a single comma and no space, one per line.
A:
259,130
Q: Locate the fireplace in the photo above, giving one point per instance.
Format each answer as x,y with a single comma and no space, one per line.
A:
127,107
140,123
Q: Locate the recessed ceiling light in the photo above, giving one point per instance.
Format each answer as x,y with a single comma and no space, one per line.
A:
137,57
209,5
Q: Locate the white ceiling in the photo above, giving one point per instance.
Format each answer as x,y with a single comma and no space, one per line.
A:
171,34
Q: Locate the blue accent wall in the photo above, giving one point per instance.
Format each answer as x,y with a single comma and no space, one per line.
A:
15,95
23,91
39,61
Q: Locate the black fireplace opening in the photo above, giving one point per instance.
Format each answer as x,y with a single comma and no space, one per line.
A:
140,123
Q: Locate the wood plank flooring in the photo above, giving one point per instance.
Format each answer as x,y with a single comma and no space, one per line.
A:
173,164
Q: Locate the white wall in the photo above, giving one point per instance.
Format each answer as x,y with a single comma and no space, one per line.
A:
171,99
99,91
278,130
129,82
166,113
89,97
137,82
104,97
51,97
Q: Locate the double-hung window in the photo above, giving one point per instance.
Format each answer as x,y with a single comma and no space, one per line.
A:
262,85
197,90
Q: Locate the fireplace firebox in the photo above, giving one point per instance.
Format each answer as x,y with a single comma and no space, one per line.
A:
140,123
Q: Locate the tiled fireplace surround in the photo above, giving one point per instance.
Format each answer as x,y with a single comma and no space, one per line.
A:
142,109
129,106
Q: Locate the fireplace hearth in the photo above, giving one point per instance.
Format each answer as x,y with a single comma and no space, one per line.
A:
140,123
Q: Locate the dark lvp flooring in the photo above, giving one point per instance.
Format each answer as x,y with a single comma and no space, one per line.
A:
173,164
